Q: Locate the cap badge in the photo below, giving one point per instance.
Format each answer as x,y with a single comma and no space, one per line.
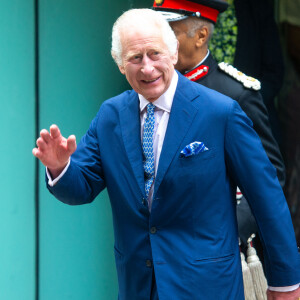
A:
159,2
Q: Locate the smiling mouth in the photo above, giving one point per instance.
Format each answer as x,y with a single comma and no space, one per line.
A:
151,80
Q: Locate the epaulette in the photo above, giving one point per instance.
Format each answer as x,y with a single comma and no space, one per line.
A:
247,81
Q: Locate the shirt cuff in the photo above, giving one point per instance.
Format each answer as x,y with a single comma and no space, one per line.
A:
54,181
284,288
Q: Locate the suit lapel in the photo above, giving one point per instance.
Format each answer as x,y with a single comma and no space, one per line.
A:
131,133
182,115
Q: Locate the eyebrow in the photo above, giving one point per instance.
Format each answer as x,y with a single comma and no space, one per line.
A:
133,53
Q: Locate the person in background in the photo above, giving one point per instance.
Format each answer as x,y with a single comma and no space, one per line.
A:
197,64
247,37
289,105
168,155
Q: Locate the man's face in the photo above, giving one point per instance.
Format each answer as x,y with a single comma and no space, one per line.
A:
147,63
187,55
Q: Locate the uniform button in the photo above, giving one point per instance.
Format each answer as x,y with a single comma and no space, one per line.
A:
153,230
148,263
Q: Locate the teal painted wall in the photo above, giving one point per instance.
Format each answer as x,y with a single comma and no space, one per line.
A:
17,240
76,75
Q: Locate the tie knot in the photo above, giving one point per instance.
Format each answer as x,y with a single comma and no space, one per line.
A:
150,108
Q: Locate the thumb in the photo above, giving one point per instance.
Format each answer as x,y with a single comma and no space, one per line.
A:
71,144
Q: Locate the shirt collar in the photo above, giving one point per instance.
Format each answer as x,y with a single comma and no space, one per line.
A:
165,101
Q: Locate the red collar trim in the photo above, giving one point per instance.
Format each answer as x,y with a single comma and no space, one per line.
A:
197,73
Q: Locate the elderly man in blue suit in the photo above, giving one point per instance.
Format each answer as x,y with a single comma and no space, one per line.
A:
169,152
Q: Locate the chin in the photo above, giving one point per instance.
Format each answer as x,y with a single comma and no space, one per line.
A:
153,96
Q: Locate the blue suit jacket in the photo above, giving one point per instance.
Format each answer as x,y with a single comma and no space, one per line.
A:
190,238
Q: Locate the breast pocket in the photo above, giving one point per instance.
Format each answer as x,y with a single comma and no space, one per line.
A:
200,163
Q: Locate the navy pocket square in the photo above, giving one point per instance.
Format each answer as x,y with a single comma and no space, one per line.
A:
193,149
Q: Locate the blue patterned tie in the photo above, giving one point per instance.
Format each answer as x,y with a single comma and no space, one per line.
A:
148,148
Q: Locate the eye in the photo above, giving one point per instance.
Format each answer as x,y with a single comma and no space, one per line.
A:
154,55
135,59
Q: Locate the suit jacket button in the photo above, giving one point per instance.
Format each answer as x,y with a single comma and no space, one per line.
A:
153,230
148,263
144,201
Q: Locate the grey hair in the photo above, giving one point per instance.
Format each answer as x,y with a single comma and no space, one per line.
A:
138,18
195,23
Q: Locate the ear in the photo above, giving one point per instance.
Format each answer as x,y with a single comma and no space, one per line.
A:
122,69
175,56
202,36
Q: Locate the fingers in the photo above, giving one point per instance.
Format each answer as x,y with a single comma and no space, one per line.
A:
45,135
53,148
44,141
48,137
71,144
54,131
37,153
42,145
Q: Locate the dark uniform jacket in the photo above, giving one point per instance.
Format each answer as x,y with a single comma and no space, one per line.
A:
252,103
258,52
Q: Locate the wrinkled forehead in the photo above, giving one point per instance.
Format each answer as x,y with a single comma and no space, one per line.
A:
140,27
142,36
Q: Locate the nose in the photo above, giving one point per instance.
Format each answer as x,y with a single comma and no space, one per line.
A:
147,65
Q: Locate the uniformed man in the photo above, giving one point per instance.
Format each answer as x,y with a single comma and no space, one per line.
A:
193,23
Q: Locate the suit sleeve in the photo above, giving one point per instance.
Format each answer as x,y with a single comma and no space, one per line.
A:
84,179
253,105
251,170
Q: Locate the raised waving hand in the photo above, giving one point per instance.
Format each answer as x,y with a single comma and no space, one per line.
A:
54,150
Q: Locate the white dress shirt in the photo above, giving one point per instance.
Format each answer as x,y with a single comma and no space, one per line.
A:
161,114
